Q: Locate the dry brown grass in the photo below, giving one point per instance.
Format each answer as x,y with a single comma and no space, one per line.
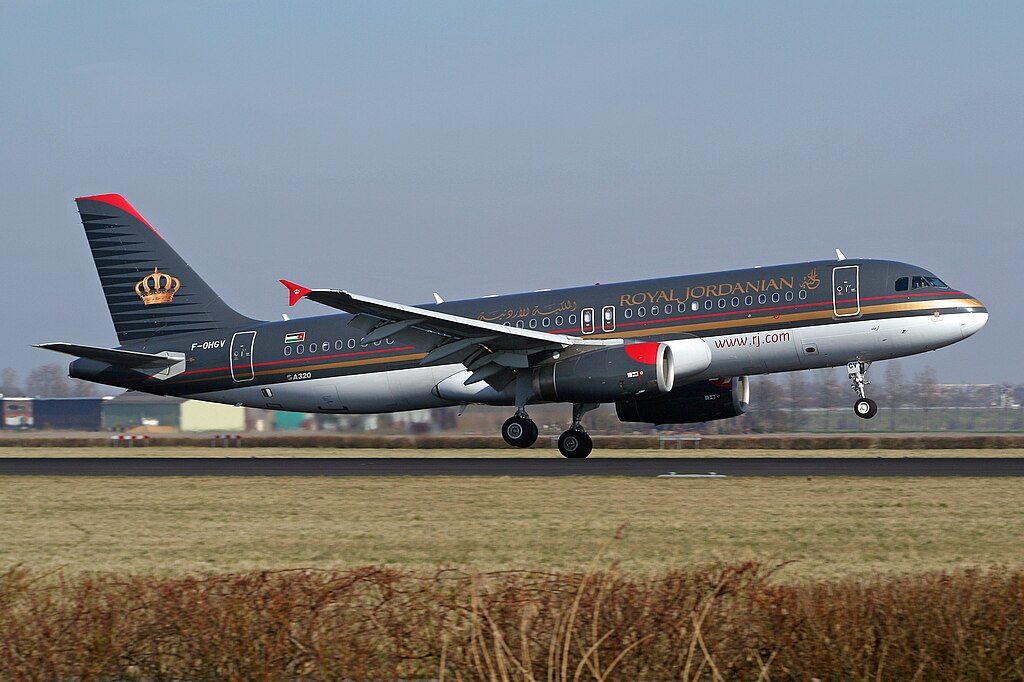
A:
727,622
829,527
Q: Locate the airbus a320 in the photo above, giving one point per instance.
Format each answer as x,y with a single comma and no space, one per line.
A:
673,350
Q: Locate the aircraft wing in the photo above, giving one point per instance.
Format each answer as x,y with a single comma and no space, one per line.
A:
461,339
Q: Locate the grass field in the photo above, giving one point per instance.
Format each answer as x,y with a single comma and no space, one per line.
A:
827,527
436,453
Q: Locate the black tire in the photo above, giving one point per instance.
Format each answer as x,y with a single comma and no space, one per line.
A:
865,408
575,444
519,432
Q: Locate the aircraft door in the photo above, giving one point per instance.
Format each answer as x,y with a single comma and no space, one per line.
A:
241,356
846,290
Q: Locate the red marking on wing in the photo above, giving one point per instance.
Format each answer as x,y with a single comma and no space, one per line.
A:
295,291
644,353
118,201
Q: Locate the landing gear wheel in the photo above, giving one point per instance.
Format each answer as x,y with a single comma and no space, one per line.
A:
866,408
519,432
575,444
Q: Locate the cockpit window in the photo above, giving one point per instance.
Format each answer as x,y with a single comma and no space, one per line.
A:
902,284
920,282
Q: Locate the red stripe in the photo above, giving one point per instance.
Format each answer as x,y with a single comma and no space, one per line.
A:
118,201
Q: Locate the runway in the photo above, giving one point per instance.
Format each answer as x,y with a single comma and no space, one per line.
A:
512,466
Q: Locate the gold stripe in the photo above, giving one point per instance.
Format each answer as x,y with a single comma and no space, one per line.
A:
796,317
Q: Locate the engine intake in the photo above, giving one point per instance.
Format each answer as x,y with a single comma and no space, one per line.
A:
609,374
702,401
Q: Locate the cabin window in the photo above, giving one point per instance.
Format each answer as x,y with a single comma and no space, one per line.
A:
709,304
721,303
668,310
376,343
902,283
803,294
300,349
695,306
775,297
287,350
351,343
655,310
749,300
546,322
390,341
533,323
339,344
681,307
641,312
762,299
558,321
312,348
789,295
628,312
572,319
735,301
519,323
326,347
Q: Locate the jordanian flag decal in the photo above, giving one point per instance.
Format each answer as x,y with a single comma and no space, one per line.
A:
295,337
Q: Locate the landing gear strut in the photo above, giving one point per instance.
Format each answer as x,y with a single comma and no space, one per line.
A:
865,407
575,443
519,430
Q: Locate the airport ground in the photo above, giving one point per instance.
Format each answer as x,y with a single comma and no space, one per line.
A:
828,527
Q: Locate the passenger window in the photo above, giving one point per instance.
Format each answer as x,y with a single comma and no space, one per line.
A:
762,299
641,312
721,303
668,310
775,297
546,322
735,301
300,349
572,319
803,294
519,323
789,295
339,344
351,343
326,347
695,306
681,307
902,283
654,310
559,321
709,304
287,350
533,323
628,312
749,300
312,348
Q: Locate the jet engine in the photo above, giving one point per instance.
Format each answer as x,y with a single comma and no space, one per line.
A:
609,374
702,401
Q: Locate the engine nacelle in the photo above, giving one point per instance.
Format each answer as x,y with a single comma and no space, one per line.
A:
609,374
690,357
703,401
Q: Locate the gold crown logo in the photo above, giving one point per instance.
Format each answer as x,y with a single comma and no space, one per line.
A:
158,287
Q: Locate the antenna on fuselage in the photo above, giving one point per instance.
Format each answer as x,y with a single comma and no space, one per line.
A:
839,255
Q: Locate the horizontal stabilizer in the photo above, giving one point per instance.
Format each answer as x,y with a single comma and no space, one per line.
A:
120,358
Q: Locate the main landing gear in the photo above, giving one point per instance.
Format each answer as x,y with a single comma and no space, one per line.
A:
521,432
865,407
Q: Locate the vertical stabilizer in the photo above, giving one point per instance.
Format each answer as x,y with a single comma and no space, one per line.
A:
150,290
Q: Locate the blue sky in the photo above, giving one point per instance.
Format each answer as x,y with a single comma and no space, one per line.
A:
396,149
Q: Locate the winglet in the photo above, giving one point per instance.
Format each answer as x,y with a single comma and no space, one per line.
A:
295,291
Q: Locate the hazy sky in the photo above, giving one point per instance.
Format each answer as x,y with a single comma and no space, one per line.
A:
395,149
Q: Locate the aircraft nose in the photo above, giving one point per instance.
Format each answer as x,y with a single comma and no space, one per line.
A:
973,321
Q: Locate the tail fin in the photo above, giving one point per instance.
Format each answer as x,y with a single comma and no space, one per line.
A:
150,290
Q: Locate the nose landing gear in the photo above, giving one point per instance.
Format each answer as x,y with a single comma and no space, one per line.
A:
865,407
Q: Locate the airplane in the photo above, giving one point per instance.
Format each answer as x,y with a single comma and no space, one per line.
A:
672,350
